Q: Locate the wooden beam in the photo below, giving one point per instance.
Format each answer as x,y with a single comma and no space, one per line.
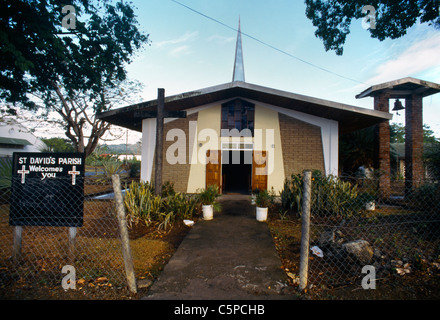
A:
153,114
159,141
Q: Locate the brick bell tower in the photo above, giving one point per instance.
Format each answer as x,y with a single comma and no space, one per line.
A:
412,91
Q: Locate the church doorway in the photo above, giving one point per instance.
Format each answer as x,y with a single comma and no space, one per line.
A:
236,171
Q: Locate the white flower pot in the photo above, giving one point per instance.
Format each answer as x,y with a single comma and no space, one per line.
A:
370,206
207,212
261,214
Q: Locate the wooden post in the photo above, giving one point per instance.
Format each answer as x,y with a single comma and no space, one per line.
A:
159,140
126,251
305,230
16,252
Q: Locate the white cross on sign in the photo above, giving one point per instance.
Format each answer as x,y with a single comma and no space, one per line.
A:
74,173
23,173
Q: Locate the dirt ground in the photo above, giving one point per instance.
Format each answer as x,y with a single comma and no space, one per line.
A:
100,288
423,284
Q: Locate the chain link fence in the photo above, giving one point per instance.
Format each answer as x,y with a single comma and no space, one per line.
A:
356,230
352,225
33,254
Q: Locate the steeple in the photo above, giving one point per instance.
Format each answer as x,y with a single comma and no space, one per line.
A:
238,74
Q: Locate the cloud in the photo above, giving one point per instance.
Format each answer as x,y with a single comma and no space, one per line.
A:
179,51
220,39
188,36
421,56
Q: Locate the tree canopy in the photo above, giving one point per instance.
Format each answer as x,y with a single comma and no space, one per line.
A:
39,54
69,57
386,19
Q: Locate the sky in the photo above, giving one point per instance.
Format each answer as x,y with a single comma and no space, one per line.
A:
189,51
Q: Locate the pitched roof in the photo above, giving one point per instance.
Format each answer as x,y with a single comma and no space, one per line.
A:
402,88
349,117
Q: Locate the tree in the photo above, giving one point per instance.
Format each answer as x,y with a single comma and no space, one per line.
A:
431,158
58,145
387,19
428,135
75,72
397,133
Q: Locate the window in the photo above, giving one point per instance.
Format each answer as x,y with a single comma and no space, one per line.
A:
238,114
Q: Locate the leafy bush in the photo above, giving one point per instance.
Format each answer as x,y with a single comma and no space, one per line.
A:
330,195
142,205
134,167
5,173
427,196
291,195
111,166
167,189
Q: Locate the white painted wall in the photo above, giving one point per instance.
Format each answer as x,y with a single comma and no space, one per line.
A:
209,117
329,135
13,130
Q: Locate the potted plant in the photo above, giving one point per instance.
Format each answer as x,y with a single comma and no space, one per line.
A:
208,198
263,200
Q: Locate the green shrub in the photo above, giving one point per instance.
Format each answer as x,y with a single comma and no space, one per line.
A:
291,195
330,195
134,167
167,189
5,173
142,205
427,196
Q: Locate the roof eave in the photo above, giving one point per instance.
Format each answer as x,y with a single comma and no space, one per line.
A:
319,107
424,88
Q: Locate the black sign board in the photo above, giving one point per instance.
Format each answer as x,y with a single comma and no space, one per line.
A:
47,189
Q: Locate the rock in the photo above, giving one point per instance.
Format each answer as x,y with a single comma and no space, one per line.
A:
294,277
404,270
331,237
326,238
396,263
360,249
144,283
378,254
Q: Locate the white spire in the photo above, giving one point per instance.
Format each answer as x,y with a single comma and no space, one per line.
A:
238,74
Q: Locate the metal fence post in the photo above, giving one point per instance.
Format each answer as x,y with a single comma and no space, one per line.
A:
72,240
305,230
128,260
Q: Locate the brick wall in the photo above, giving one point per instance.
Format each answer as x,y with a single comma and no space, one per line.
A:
382,131
413,142
301,144
176,173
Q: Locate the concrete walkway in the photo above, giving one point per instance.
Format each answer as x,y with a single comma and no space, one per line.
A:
231,257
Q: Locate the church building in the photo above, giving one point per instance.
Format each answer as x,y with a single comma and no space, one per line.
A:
242,136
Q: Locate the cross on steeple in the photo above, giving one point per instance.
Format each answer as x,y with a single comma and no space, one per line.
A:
238,74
